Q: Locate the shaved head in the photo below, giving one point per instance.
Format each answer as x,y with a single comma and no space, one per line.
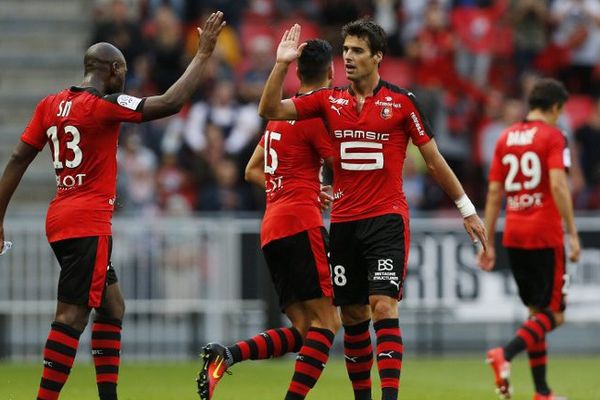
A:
105,68
101,54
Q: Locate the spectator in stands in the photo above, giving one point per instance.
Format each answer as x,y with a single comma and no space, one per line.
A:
137,169
577,30
257,71
238,123
165,48
587,139
117,27
175,192
530,19
225,193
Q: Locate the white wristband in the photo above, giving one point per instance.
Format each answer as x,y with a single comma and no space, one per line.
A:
465,206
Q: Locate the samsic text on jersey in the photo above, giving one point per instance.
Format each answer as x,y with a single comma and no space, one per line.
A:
293,153
369,147
525,153
82,128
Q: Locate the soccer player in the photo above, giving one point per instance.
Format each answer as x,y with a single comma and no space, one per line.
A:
529,165
81,125
286,164
370,122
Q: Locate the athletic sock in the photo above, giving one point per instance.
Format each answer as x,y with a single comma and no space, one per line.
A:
310,362
59,355
538,358
533,330
389,356
271,343
106,351
358,354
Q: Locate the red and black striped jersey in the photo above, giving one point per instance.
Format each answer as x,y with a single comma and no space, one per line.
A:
82,127
369,146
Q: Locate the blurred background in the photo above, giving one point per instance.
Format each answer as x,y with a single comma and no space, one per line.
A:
186,224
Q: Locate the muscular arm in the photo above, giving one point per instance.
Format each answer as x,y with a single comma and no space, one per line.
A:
441,172
445,177
271,105
254,172
180,92
562,198
22,156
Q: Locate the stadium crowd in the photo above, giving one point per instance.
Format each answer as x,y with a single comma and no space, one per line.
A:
469,62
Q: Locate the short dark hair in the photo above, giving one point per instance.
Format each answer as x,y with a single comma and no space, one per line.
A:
546,93
315,60
367,30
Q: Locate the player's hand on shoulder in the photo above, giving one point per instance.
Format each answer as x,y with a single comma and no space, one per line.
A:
289,48
325,197
476,230
574,247
486,259
209,34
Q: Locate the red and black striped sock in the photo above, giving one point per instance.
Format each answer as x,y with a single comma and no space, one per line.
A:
533,330
358,354
59,355
271,343
106,351
538,358
310,362
389,356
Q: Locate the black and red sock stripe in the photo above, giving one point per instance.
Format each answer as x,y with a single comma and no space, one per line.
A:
59,354
358,354
271,343
532,331
310,362
106,351
538,358
389,356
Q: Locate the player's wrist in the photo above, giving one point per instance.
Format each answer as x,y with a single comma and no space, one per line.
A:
465,206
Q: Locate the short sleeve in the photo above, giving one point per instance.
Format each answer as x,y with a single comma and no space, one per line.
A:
261,143
415,123
559,156
35,134
119,107
310,105
496,174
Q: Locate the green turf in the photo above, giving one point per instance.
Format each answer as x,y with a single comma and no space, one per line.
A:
422,379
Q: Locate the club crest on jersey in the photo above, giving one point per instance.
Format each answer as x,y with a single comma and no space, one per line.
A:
386,113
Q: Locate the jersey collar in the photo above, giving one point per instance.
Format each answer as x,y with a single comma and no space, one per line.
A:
88,89
379,86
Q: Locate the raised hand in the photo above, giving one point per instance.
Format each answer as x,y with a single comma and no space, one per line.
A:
288,49
208,36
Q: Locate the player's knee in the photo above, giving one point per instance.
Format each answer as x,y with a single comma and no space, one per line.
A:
329,320
384,309
559,318
352,315
75,317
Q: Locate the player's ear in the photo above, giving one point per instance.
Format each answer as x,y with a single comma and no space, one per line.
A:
114,68
378,57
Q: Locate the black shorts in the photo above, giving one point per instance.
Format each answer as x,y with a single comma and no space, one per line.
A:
368,257
540,276
85,269
299,267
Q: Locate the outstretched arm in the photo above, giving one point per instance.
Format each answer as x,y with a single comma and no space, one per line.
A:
271,105
180,92
16,167
444,176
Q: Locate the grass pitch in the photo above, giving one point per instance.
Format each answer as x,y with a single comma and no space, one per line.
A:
455,378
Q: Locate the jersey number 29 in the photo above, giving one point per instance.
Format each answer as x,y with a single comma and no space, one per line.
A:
529,165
